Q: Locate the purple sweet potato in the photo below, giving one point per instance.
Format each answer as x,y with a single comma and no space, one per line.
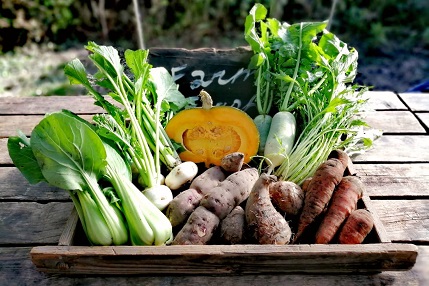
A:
231,192
199,228
182,205
233,226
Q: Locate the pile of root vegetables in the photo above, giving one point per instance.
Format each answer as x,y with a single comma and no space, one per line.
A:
235,204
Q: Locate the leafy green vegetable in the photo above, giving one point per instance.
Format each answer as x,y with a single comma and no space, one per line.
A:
23,158
66,152
147,97
306,70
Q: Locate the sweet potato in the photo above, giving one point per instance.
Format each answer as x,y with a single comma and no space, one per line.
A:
182,205
343,202
231,192
357,226
287,196
265,223
233,226
209,179
319,192
232,162
199,228
187,201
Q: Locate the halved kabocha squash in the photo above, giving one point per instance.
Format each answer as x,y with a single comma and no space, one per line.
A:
208,133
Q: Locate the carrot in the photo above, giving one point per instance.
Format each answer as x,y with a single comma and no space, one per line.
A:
357,226
327,176
343,202
265,223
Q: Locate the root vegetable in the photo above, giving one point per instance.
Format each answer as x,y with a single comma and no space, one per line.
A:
281,138
357,226
181,174
233,226
187,201
209,179
231,192
304,185
198,229
343,202
263,123
159,195
182,206
288,197
266,224
327,176
232,162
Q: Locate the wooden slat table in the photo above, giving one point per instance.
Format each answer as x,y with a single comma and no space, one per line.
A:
396,172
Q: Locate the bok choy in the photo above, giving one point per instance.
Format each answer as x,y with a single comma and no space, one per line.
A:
65,151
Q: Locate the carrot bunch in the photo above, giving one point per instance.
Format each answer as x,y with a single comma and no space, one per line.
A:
330,199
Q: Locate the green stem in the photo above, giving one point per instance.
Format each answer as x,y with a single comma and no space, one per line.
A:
285,102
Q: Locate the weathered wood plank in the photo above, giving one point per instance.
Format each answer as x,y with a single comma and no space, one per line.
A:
384,100
225,259
32,223
424,117
416,101
394,121
10,124
397,148
404,220
14,186
18,269
389,180
4,154
381,180
42,105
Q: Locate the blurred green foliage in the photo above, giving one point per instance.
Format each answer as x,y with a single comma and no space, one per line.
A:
38,36
371,25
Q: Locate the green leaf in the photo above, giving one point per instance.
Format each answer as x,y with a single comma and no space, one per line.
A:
107,58
69,152
137,62
23,158
256,14
166,89
76,73
256,60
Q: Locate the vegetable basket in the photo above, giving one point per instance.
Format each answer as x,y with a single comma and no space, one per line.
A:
224,74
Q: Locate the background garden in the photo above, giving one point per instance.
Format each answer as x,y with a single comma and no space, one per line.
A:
38,37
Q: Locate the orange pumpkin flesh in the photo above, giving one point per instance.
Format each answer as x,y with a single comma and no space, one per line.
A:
209,133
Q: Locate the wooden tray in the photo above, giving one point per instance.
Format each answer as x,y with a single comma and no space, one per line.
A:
73,256
224,74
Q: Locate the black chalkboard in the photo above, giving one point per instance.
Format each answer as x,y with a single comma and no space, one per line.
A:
224,74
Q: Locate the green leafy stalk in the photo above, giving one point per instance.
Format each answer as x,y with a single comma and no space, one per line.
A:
311,73
145,99
64,153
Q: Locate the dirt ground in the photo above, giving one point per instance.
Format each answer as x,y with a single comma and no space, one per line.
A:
398,72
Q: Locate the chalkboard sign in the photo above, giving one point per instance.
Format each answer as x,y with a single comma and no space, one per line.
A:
224,74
